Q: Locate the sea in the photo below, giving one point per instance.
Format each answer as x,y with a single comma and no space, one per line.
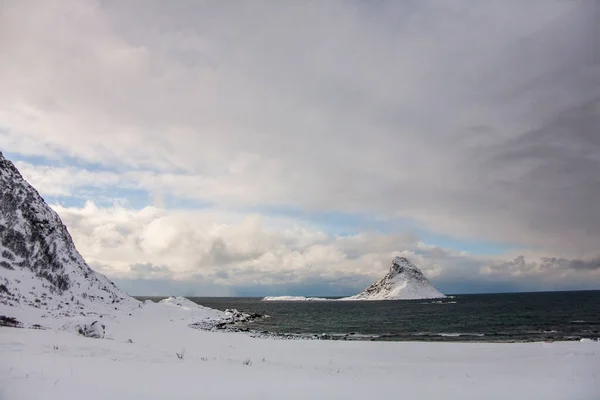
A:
505,317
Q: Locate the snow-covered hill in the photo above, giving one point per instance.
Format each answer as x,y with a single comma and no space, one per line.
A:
39,264
404,281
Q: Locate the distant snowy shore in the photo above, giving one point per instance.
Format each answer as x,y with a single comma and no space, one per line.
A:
294,298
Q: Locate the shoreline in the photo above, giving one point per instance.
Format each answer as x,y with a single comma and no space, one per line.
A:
277,329
358,337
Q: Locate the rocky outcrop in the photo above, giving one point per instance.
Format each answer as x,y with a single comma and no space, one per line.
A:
230,321
91,329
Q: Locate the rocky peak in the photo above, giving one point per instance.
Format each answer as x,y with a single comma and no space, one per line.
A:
403,281
38,259
400,264
8,167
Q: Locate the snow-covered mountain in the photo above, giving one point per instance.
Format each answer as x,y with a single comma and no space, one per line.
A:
39,264
404,281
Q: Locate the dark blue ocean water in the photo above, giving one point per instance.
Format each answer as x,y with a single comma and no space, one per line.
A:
483,317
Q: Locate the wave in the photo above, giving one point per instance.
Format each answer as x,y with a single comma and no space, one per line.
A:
448,334
439,302
460,334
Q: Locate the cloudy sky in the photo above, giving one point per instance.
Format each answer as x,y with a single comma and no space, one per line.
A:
294,147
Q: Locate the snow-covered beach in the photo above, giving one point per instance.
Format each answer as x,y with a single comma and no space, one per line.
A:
59,364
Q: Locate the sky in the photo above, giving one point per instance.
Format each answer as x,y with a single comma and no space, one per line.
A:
249,148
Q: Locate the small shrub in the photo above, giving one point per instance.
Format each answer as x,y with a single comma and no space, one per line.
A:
247,362
181,355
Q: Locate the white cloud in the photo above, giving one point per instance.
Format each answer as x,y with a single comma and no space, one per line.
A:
256,251
67,181
477,120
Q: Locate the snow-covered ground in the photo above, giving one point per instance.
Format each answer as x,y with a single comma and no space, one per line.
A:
60,364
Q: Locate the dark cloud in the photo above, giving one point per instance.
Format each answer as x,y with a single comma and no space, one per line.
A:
549,178
220,254
150,271
545,269
222,274
563,264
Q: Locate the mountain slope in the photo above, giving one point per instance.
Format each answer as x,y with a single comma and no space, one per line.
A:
404,281
39,264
